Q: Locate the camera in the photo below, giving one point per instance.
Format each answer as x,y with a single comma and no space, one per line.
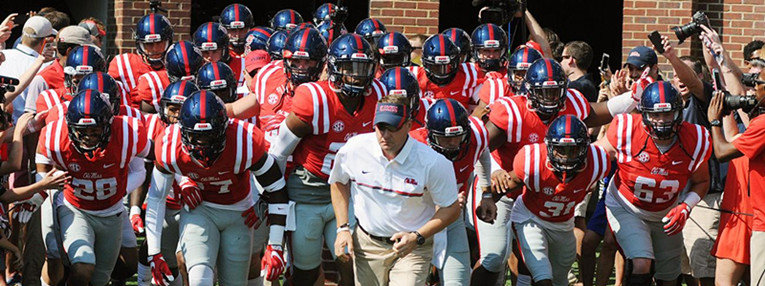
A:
155,6
498,12
692,28
744,102
339,15
7,84
751,79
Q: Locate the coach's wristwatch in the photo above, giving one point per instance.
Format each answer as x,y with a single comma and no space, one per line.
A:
715,123
420,238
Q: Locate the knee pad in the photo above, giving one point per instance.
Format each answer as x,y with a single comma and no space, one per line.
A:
631,279
201,275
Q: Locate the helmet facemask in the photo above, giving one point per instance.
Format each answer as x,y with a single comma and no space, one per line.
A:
663,121
203,142
391,59
153,48
352,76
567,154
440,69
90,137
490,56
451,142
301,68
547,100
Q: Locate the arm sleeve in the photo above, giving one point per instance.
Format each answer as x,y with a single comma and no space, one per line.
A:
137,173
441,182
155,209
482,169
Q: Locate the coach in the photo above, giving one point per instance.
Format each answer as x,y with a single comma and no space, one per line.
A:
396,183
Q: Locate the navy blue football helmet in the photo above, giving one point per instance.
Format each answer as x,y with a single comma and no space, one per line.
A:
153,28
489,36
89,120
212,36
234,17
351,65
520,61
547,84
203,123
106,85
257,38
440,59
302,26
371,30
286,19
183,60
401,82
662,109
218,78
567,144
324,13
172,99
275,44
304,44
460,38
447,119
81,61
394,50
330,30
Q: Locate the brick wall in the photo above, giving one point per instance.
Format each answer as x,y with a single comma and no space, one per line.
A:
738,21
407,16
124,14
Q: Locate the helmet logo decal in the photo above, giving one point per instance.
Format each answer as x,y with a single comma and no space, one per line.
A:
549,83
453,130
83,69
662,106
359,56
389,50
152,38
442,59
400,92
203,126
209,46
491,44
236,24
178,97
301,54
218,84
86,121
567,141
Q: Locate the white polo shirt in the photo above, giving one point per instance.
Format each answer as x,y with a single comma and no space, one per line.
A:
396,195
17,61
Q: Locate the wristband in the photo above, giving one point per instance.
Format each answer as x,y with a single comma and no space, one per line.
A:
343,228
487,195
692,199
278,209
135,210
276,234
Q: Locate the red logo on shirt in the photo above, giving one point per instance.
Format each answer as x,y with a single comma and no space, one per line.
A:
410,181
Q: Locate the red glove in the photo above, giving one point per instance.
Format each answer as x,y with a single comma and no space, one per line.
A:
273,262
640,85
190,193
675,219
251,218
160,272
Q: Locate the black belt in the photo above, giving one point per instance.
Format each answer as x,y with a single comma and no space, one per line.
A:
378,238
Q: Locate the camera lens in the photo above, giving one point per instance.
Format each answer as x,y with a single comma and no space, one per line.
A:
685,31
743,102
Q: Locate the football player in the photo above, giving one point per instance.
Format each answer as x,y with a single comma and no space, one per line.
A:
237,19
325,114
394,49
212,39
182,61
218,155
275,44
80,62
98,150
514,84
218,78
153,36
490,49
462,139
371,29
305,54
658,156
286,20
330,30
460,38
554,176
442,75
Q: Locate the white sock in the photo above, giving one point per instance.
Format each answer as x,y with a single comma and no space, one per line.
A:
523,280
201,275
144,275
255,282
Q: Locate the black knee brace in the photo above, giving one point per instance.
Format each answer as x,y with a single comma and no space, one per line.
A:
631,279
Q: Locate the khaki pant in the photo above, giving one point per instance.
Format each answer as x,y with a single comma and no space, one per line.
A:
757,270
377,264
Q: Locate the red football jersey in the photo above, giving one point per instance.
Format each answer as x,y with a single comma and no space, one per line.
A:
542,194
127,68
53,75
50,98
422,112
523,126
648,179
316,104
270,86
150,88
493,89
461,89
236,63
99,183
463,167
227,180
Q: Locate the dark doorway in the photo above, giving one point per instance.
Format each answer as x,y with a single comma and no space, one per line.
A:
599,23
204,10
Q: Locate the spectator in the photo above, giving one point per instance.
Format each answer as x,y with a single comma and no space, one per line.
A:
577,57
392,242
96,28
752,58
416,41
556,46
57,19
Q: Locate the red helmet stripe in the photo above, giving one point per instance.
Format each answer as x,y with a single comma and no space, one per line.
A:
87,103
292,16
265,32
453,34
525,55
398,78
304,39
151,24
203,106
185,56
661,94
209,31
491,32
390,38
182,87
216,72
568,126
441,44
549,69
377,25
450,108
85,55
359,45
100,81
236,12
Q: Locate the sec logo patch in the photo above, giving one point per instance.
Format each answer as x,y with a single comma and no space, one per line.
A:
273,99
338,126
74,167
